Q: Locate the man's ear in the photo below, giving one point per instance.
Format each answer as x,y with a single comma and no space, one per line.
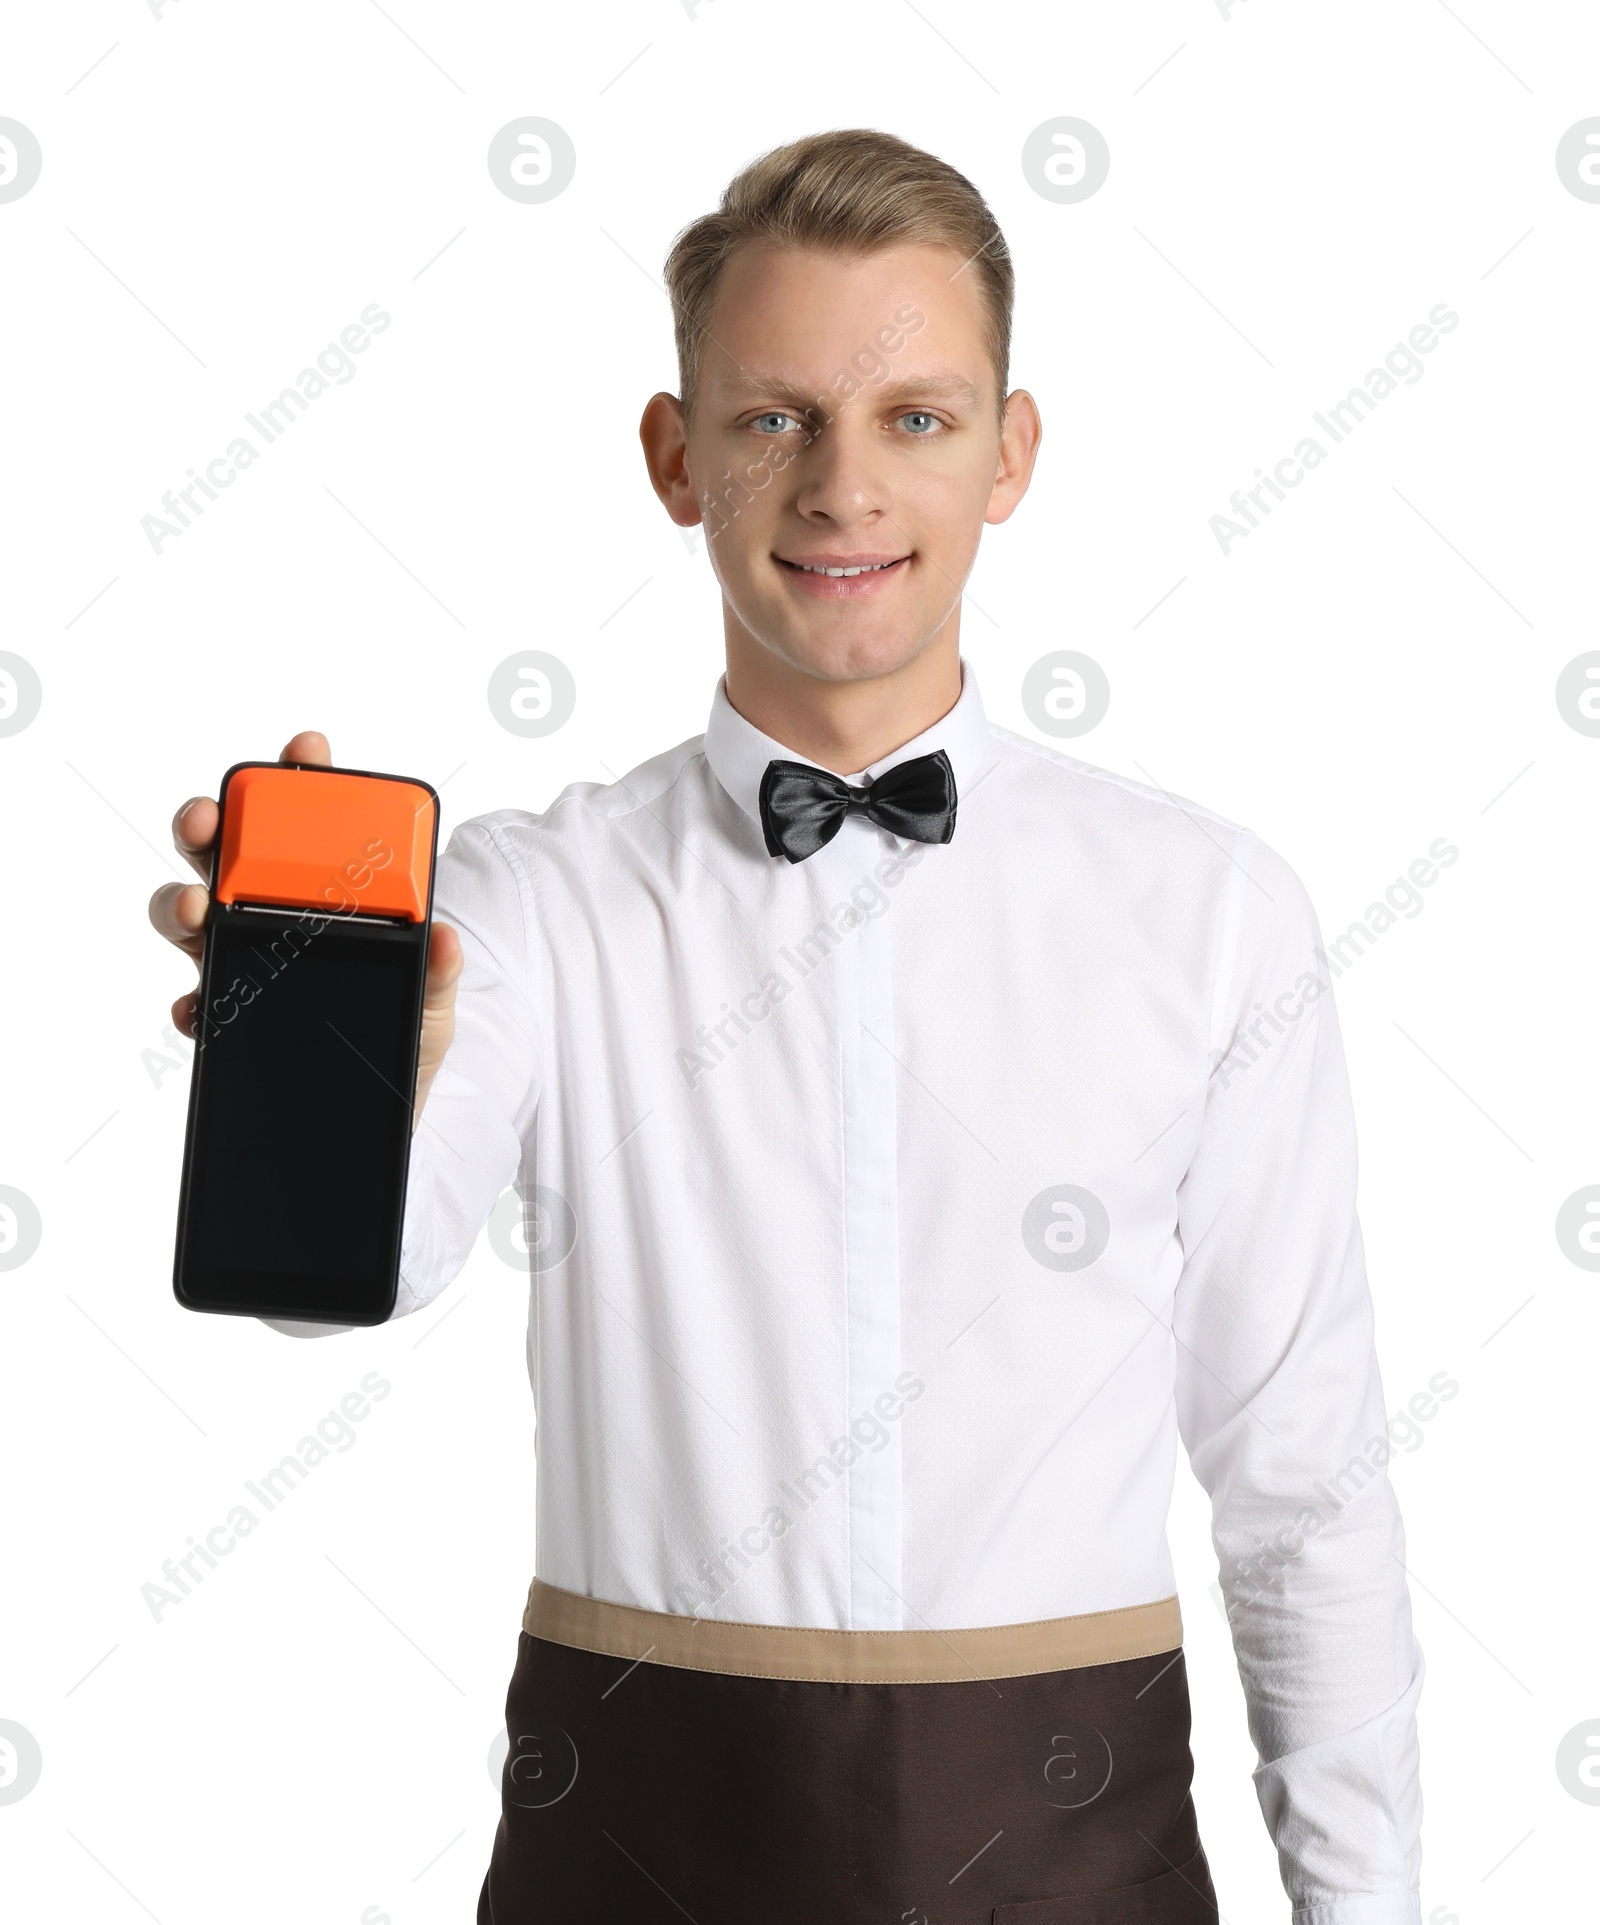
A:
666,455
1020,436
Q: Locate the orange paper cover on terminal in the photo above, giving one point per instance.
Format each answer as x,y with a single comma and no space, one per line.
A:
322,839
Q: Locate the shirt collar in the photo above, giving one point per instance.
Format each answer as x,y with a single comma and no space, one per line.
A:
739,753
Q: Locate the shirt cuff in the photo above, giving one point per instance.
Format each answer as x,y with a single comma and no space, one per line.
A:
1363,1908
418,1283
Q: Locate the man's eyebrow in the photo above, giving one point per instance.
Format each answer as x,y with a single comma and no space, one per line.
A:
943,387
755,384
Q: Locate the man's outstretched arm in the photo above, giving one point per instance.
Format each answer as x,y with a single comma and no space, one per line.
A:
475,1112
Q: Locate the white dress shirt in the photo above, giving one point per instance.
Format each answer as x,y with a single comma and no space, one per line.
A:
900,1211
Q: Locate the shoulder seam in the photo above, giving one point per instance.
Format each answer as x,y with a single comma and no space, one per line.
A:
638,802
1070,766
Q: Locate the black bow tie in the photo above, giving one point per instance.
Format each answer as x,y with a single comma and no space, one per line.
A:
802,806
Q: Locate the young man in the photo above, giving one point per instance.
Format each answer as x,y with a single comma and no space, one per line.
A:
929,1130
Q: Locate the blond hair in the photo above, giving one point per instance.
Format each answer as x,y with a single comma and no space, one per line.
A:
851,191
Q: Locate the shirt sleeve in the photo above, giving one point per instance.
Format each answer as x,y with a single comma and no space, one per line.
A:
468,1145
1281,1410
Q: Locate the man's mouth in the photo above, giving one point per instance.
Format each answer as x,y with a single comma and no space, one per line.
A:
840,574
844,568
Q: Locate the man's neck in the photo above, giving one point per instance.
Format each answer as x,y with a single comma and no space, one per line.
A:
844,726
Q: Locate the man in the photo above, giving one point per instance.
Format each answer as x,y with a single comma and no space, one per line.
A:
926,1130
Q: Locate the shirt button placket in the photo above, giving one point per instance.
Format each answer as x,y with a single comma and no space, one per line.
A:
870,1132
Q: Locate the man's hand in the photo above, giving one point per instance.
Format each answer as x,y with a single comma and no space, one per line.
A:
178,912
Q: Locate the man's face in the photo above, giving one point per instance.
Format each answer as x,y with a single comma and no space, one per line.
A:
846,418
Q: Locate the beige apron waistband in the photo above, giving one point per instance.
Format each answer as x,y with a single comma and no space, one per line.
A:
852,1657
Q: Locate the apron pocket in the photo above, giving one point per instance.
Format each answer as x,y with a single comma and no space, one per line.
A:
1180,1897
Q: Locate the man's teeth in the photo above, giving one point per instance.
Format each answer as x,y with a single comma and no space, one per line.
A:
869,568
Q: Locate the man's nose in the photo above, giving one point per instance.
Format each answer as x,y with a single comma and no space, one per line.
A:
841,474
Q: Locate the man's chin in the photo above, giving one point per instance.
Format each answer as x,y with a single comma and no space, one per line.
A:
845,650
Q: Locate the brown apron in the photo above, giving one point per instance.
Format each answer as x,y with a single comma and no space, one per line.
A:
642,1792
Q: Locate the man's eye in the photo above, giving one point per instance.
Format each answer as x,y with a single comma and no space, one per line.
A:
920,423
776,422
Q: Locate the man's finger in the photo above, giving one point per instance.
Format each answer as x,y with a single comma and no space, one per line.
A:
310,745
444,956
193,829
178,912
178,909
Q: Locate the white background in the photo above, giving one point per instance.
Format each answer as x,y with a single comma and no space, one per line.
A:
306,1735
